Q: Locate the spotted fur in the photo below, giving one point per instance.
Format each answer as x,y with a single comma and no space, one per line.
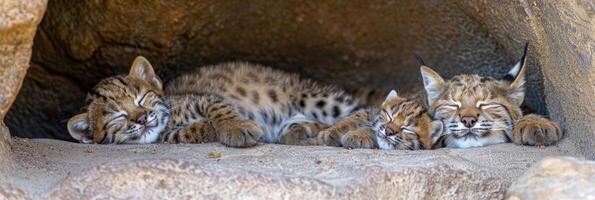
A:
399,123
238,104
480,110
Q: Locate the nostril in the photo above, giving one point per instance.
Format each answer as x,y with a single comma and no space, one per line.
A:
469,121
142,119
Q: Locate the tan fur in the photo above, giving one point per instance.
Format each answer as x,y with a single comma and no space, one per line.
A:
479,110
407,127
410,123
237,104
198,132
302,134
334,135
536,130
224,123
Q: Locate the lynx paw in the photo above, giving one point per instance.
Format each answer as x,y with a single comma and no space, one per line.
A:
302,133
535,130
358,139
201,132
239,133
328,138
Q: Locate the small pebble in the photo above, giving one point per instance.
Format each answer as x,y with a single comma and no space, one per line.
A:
214,154
90,150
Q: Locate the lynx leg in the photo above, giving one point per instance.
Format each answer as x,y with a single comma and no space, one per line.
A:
199,132
333,135
230,129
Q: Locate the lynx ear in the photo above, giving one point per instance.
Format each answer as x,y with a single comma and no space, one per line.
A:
391,95
436,130
141,68
80,129
516,92
433,83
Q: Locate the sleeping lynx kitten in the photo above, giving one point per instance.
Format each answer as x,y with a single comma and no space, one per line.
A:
479,110
399,123
470,111
237,104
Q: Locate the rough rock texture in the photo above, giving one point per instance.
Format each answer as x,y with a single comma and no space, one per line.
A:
562,33
350,43
556,178
64,170
18,22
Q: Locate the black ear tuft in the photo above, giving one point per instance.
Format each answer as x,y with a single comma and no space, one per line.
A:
516,90
514,72
420,61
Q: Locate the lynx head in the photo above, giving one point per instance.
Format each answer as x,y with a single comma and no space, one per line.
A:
405,124
123,109
476,110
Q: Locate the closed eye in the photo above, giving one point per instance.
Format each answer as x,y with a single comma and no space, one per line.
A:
119,117
407,130
147,95
489,105
449,106
388,115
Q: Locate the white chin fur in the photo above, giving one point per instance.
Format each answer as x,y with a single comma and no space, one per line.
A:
384,144
470,142
153,134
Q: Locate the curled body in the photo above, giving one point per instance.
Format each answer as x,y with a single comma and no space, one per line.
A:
238,104
398,123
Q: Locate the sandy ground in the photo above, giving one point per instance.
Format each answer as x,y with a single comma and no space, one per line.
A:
51,168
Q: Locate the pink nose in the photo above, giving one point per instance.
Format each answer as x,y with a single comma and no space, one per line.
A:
469,121
142,119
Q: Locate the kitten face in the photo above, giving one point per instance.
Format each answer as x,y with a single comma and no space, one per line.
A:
123,109
404,124
476,111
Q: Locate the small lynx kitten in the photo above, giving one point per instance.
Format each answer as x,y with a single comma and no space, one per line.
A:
238,104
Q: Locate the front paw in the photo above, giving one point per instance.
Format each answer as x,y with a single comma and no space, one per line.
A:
535,130
295,134
200,132
239,133
328,138
358,140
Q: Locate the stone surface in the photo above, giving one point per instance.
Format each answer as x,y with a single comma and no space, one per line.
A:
18,23
350,43
9,192
556,178
64,170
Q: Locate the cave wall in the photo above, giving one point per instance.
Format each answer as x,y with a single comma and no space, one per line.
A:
18,22
562,33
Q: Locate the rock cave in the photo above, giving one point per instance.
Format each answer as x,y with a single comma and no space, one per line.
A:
51,53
